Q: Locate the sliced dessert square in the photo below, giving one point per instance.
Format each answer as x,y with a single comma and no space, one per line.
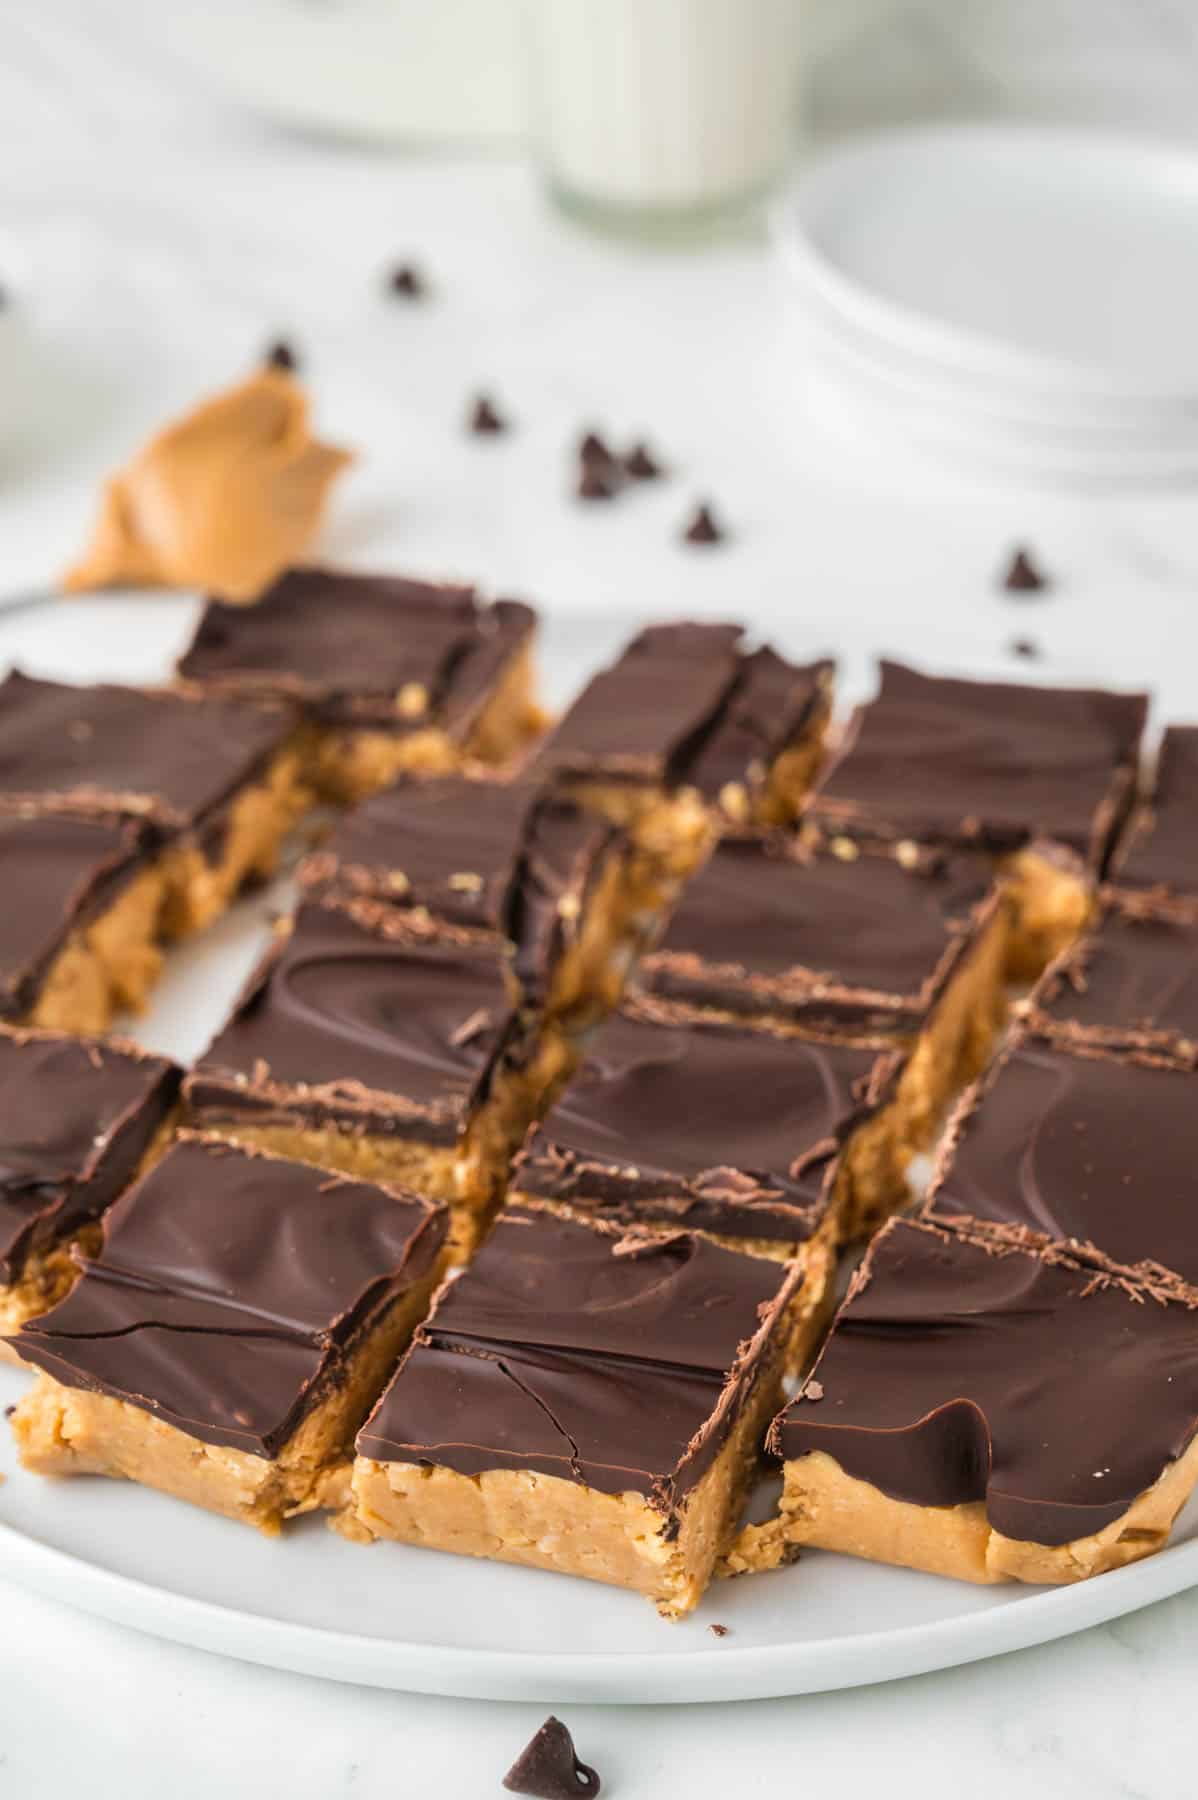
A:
1129,987
390,674
1042,778
370,1043
759,763
584,1400
231,1333
993,1410
77,1120
1081,1150
905,951
1157,859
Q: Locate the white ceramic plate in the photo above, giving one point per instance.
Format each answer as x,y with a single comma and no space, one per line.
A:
392,1616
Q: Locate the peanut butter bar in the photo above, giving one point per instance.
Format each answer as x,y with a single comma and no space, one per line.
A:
211,787
992,1410
772,1145
1079,1150
865,946
1041,778
571,893
390,674
76,1121
232,1332
372,1043
1157,859
1129,987
582,1400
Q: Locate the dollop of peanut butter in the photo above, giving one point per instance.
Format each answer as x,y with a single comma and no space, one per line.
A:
223,499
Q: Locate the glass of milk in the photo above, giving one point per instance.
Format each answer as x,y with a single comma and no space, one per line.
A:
658,114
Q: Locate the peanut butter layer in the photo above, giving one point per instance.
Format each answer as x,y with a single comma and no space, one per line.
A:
231,1333
223,499
390,674
953,1421
582,1399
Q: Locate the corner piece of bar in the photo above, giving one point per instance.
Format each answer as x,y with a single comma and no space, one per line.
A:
906,952
1128,988
1042,778
391,674
77,1119
954,1422
582,1400
761,760
1078,1150
1157,859
369,1042
232,1332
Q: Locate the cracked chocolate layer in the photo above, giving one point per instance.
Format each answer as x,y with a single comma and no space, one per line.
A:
229,1289
1129,987
617,1361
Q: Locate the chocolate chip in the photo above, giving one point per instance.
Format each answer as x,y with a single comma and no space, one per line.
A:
484,420
594,453
702,528
596,482
1022,576
548,1767
1026,647
9,1411
406,280
281,355
641,464
719,1630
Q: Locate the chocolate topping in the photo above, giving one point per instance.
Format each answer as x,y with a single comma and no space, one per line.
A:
373,650
1130,987
1159,855
484,420
703,1127
865,945
160,757
617,1361
229,1289
59,874
989,765
774,704
1078,1149
702,528
646,718
548,1767
360,1017
75,1119
960,1370
1022,575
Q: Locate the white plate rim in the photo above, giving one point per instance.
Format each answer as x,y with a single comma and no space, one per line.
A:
952,347
757,1672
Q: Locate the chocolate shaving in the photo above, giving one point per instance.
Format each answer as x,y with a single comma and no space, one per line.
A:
1023,576
485,421
548,1767
702,528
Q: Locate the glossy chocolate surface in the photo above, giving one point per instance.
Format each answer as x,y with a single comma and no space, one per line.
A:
154,756
228,1288
357,1017
774,704
620,1362
864,945
985,764
702,1127
75,1120
1079,1148
375,650
957,1373
1130,986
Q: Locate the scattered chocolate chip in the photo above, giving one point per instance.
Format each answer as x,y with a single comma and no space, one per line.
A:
281,355
719,1630
548,1768
484,420
594,453
406,280
1025,647
641,464
702,528
9,1411
1022,575
596,482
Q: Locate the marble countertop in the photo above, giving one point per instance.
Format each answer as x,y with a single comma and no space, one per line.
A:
168,239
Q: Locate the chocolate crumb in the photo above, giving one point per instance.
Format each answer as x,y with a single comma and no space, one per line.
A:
1022,575
281,355
719,1630
703,528
406,280
1026,647
641,464
484,420
548,1767
596,482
